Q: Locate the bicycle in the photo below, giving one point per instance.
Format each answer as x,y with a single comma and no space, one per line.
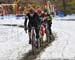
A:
34,41
41,34
47,33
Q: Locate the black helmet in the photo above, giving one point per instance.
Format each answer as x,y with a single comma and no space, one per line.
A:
31,10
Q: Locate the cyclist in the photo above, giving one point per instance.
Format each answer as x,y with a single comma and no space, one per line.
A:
47,19
34,21
39,12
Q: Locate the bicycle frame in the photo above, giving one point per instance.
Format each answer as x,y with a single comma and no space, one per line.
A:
41,33
33,41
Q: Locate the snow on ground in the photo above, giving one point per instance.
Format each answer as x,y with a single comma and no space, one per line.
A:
13,40
64,45
13,43
12,20
67,17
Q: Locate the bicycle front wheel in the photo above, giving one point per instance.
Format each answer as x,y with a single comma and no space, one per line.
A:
33,44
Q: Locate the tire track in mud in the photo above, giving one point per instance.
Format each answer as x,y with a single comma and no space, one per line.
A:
29,55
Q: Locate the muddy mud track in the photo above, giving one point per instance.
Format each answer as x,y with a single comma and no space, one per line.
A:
30,56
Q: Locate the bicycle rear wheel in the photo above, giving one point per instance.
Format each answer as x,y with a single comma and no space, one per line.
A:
41,41
47,36
41,34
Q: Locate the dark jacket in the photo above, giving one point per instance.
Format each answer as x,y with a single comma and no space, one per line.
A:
48,19
33,21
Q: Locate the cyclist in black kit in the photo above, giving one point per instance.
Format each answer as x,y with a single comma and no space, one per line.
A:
34,21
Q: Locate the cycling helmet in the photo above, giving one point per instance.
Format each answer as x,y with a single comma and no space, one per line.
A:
45,10
31,11
39,11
